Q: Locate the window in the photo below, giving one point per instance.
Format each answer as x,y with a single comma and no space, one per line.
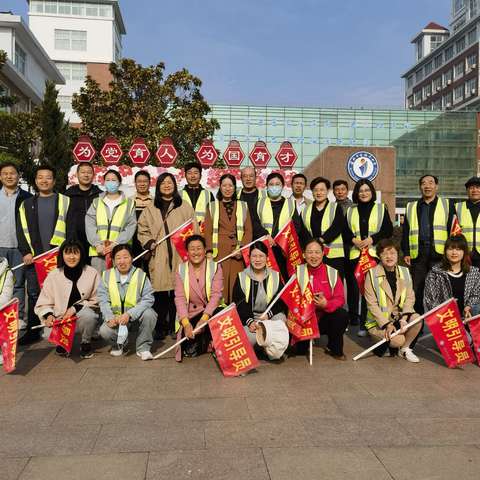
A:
51,7
471,61
417,97
91,10
472,36
437,84
20,58
471,88
460,45
419,75
447,77
449,53
427,90
65,102
473,8
36,6
410,81
436,41
458,93
438,61
428,68
4,92
458,5
66,7
419,49
447,100
459,70
437,104
71,40
73,71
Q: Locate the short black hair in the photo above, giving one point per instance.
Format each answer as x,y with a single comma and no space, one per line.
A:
8,164
68,246
299,175
337,183
117,174
318,180
356,189
386,243
120,247
313,240
45,166
86,164
190,165
435,178
273,175
234,181
195,238
259,246
142,173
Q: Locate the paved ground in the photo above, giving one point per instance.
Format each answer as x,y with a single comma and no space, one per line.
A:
120,418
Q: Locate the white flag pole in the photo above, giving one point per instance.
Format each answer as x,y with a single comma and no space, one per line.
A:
275,300
242,248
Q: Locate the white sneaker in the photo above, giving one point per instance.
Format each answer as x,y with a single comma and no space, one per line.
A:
362,333
117,350
408,355
145,355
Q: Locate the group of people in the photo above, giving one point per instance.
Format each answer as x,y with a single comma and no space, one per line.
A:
113,271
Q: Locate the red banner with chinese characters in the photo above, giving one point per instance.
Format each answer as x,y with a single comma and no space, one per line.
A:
44,264
474,326
234,353
271,262
449,333
287,240
63,333
456,228
9,334
179,237
365,263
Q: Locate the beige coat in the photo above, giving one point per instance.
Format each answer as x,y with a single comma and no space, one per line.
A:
392,303
57,288
151,227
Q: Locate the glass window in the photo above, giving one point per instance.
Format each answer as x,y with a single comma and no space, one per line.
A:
71,40
437,104
437,84
65,102
91,10
410,81
447,100
472,61
460,45
427,90
436,41
458,93
473,8
20,58
65,8
471,87
36,6
105,11
417,97
51,6
458,5
449,53
472,36
79,40
459,70
447,77
419,75
419,49
72,71
438,61
78,9
428,68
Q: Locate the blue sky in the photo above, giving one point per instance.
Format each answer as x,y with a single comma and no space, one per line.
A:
281,52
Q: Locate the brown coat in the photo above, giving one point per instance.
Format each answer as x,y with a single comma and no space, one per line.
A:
392,303
227,243
151,227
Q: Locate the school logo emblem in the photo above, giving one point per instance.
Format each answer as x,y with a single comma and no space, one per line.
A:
362,165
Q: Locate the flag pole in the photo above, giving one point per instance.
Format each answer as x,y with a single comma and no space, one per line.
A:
196,330
162,240
35,258
311,353
272,303
394,334
242,248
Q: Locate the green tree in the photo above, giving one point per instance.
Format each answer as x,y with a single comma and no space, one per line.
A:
55,138
5,100
144,102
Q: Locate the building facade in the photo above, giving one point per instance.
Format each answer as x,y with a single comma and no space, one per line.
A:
28,65
82,38
445,75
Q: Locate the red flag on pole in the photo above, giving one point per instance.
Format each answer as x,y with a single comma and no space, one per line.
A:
234,353
44,264
365,263
179,237
63,333
271,261
449,333
9,334
474,325
287,240
456,228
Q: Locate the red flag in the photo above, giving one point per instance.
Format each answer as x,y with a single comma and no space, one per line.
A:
365,263
179,237
456,228
63,332
449,333
234,353
474,325
287,240
271,262
44,264
9,334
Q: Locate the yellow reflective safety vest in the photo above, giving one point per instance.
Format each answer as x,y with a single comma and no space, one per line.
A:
3,277
273,282
110,229
134,291
374,225
241,218
261,193
440,222
468,228
184,272
265,213
303,277
336,247
60,230
404,274
200,208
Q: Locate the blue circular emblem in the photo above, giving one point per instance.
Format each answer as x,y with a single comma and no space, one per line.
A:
362,165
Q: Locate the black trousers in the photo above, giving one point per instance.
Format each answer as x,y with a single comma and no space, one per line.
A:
419,270
333,325
357,307
166,310
198,345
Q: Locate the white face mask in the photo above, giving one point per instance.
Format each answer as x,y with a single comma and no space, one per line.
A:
122,334
275,190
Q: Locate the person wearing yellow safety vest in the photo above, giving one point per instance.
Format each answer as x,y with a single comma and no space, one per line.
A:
250,194
194,194
390,300
110,220
469,219
329,297
325,220
41,226
125,296
275,211
227,228
254,290
425,230
7,283
368,222
167,213
198,293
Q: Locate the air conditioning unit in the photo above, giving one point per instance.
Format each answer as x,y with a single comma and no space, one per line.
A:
429,95
473,92
439,88
449,105
449,82
473,65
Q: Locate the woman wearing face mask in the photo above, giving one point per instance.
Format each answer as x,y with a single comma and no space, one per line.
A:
110,221
275,211
227,228
325,220
367,223
254,289
167,213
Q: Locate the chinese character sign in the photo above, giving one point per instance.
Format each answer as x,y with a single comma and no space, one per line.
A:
449,333
234,353
44,264
63,332
9,334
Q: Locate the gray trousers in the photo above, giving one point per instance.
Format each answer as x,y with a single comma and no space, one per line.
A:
144,341
86,323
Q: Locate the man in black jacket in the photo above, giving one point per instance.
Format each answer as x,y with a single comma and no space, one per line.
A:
81,197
